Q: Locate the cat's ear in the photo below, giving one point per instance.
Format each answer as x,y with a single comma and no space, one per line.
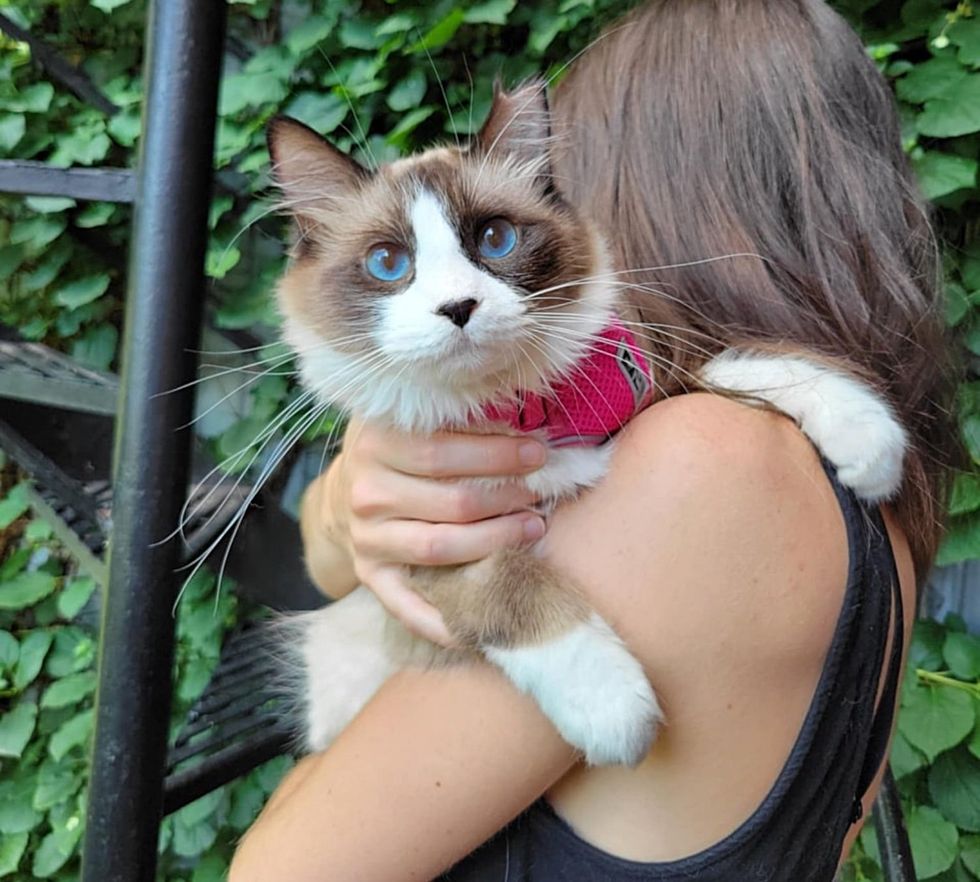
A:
519,124
308,169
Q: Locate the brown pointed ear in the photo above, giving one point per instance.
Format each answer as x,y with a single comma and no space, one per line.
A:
519,124
309,170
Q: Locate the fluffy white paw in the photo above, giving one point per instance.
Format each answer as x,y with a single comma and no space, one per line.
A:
591,688
345,655
849,422
868,450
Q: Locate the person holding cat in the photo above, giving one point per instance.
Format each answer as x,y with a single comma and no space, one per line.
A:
767,605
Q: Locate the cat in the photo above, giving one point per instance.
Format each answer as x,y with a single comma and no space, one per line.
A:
457,289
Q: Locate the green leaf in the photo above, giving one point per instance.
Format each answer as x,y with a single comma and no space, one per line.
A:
200,810
83,290
957,304
70,653
247,799
37,531
308,33
956,113
74,595
96,348
49,204
926,650
191,841
211,868
441,33
16,728
221,259
125,126
269,775
9,650
12,128
954,784
934,841
11,851
971,427
71,734
95,214
84,146
220,206
33,649
17,814
57,847
51,262
26,589
490,12
321,111
108,5
357,33
962,655
251,90
194,679
905,759
944,173
70,690
408,124
936,718
973,744
38,231
398,23
56,782
14,564
13,505
962,540
11,257
408,92
544,28
936,78
965,34
35,98
970,853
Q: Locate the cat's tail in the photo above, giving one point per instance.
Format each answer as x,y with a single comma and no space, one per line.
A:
849,422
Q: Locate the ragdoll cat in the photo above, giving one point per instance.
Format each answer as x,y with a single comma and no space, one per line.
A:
456,288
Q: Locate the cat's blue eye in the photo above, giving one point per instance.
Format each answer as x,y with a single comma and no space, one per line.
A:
388,262
497,238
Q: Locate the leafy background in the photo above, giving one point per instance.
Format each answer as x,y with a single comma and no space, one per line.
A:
415,71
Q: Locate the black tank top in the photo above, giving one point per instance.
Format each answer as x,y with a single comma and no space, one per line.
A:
797,833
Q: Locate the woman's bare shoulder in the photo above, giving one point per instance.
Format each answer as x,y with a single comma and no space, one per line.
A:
716,519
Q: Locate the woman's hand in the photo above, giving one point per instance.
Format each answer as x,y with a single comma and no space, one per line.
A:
392,499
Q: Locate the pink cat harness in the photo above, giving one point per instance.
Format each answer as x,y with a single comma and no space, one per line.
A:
611,385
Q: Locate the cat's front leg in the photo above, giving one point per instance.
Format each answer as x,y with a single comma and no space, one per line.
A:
591,687
849,422
529,620
339,656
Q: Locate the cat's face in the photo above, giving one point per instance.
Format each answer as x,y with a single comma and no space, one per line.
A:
459,271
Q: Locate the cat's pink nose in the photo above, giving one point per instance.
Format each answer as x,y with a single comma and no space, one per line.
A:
458,311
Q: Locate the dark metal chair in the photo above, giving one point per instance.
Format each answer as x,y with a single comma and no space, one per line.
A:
227,732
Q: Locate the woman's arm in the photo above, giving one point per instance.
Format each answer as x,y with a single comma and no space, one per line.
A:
687,549
435,764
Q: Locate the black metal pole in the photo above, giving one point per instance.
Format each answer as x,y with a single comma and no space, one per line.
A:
164,308
893,841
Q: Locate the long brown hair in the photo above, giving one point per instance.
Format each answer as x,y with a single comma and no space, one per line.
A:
703,128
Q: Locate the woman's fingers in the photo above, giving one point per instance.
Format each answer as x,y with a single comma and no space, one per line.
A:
454,455
420,617
383,494
418,543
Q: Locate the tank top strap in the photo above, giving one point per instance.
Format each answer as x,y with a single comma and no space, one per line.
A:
881,727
